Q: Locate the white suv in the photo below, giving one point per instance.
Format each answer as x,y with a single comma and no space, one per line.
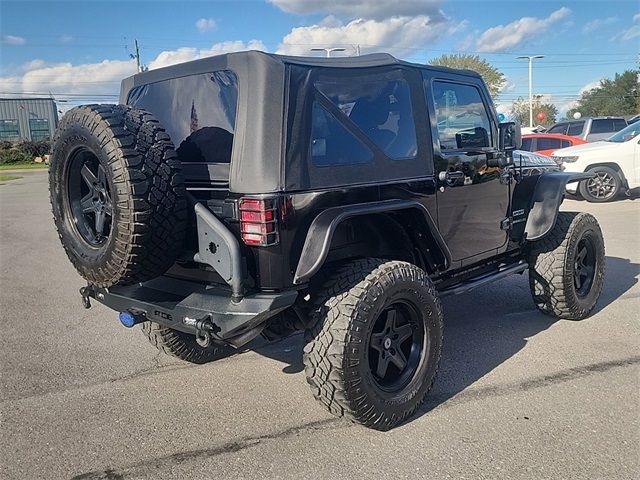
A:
614,161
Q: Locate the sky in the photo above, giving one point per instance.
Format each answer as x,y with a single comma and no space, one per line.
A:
78,51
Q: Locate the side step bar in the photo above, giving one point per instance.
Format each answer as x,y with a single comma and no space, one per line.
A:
501,273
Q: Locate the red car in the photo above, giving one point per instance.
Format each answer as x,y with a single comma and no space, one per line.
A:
547,143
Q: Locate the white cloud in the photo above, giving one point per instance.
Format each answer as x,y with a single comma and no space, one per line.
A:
508,87
93,78
590,86
13,40
568,104
598,23
630,33
503,37
32,65
186,54
398,35
377,9
206,24
102,78
66,39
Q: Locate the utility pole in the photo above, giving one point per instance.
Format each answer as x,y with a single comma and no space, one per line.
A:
328,50
137,55
531,58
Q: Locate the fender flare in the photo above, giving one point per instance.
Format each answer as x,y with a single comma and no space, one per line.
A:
318,240
545,202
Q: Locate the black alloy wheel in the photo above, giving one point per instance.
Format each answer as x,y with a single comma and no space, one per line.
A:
396,346
90,200
584,267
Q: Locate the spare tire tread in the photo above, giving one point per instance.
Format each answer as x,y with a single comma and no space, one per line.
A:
149,202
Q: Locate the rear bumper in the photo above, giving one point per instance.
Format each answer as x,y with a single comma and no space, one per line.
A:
184,305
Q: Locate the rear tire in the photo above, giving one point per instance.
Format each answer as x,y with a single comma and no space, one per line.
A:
183,345
117,194
374,350
566,268
604,187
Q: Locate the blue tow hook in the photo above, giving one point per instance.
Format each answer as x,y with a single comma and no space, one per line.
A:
129,319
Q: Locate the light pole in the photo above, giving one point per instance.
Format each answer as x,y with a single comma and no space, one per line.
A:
530,58
328,50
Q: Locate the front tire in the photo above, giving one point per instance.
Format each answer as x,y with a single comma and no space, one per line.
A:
374,351
566,268
604,187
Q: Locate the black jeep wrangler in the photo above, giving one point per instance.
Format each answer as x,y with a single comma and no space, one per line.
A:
249,194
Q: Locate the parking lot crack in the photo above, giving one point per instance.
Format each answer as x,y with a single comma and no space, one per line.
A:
146,466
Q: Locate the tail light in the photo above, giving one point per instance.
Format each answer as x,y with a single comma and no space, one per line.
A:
258,222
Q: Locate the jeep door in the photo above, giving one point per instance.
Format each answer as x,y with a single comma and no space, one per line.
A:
473,197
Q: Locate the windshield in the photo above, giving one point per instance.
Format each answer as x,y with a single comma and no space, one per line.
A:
631,131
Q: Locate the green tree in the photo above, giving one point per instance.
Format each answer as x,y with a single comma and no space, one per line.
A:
493,77
620,96
520,111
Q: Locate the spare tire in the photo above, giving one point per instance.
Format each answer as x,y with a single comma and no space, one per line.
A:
117,194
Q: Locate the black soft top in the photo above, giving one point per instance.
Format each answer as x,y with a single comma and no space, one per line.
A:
263,60
258,146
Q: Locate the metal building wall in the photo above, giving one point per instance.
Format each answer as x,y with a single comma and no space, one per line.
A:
22,109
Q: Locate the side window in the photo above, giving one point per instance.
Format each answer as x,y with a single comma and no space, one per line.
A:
565,143
332,144
463,121
9,130
39,128
560,129
380,106
619,124
548,143
575,129
602,125
527,144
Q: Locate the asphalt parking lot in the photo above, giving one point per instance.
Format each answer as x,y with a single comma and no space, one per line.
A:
520,395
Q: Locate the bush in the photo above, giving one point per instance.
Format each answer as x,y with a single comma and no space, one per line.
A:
13,155
34,148
22,152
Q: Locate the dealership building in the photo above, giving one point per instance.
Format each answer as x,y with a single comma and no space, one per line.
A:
27,118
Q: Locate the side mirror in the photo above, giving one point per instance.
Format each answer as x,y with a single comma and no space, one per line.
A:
510,136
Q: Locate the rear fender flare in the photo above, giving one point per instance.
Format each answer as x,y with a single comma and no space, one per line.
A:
546,200
318,240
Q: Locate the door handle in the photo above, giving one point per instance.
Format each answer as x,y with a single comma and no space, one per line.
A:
453,178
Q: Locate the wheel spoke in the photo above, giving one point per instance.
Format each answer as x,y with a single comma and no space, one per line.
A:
100,222
383,364
88,176
398,359
577,280
581,255
108,206
102,178
391,320
403,332
87,203
377,340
